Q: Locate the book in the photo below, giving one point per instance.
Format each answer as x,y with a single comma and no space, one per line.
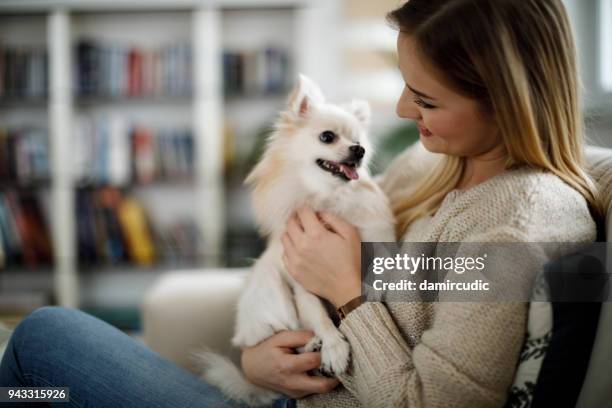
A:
136,231
24,234
12,242
37,236
109,201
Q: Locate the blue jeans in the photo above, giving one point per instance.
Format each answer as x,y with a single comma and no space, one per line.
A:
102,366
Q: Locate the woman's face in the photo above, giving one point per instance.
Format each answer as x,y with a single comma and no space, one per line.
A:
448,122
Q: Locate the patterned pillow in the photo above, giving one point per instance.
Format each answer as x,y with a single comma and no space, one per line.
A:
539,333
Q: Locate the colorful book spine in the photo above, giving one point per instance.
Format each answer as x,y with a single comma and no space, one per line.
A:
136,231
24,235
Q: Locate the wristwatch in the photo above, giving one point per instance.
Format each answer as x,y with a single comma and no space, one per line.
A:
351,305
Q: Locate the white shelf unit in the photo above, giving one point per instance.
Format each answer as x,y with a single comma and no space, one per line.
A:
211,26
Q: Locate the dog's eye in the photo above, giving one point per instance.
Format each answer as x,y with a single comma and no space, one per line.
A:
327,137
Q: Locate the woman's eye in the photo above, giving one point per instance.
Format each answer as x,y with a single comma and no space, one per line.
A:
327,137
420,102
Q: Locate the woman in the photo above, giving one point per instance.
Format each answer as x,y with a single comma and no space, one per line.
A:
492,86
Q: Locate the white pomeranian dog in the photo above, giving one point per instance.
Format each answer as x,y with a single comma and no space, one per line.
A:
316,156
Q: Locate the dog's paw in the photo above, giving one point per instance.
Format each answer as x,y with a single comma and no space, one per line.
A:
335,353
313,345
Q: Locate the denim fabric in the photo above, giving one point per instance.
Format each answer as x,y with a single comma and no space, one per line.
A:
102,366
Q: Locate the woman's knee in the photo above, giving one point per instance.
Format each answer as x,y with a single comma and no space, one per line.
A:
45,321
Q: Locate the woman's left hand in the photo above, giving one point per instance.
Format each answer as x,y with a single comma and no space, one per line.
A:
323,254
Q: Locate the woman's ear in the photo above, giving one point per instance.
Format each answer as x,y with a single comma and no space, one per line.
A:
361,110
304,96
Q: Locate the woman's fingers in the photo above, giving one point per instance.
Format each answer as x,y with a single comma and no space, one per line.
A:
310,384
288,244
308,218
291,338
341,227
294,229
306,361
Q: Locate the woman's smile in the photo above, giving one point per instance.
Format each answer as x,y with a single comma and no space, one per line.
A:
424,131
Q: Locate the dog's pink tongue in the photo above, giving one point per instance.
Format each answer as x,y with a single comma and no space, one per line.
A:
349,172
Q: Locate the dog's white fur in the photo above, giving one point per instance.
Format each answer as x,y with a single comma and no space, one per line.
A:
286,178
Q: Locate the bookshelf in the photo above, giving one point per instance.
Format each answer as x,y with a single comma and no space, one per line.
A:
207,121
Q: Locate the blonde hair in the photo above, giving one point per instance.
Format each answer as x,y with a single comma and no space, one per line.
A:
517,57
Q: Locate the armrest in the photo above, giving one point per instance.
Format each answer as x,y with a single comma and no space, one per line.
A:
184,310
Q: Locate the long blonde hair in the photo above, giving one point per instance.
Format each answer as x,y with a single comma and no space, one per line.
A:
517,57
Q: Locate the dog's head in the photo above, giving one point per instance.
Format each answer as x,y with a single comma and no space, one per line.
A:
316,147
321,142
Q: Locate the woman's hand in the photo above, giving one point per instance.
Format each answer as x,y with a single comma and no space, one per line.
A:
273,364
324,255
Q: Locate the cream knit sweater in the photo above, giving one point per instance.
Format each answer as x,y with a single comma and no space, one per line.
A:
454,354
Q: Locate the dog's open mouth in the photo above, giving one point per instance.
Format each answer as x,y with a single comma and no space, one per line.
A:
346,170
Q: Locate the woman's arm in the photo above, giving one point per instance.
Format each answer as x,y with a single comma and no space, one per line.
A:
467,358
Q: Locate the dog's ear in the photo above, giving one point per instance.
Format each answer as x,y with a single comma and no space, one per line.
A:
305,94
361,110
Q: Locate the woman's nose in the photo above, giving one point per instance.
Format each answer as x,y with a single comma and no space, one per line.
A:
406,108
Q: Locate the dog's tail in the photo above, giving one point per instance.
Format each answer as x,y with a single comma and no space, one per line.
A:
221,372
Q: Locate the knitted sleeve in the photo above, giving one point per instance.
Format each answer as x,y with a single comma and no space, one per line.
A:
466,359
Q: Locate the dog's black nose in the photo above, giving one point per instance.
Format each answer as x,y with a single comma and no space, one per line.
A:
357,151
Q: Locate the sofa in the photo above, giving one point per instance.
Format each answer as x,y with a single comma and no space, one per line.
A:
186,309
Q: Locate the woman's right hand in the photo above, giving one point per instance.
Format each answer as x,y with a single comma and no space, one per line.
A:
273,364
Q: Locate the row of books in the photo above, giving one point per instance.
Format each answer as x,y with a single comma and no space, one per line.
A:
119,71
260,72
23,73
113,228
24,156
110,151
24,235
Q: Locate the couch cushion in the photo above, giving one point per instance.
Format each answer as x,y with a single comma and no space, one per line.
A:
187,309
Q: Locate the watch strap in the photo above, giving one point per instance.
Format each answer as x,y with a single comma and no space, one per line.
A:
349,306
